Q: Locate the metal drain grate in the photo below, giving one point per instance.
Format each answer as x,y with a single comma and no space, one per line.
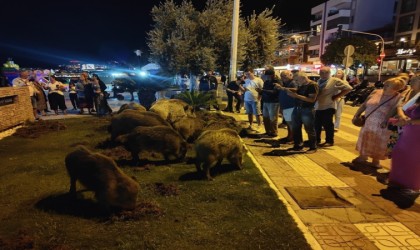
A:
317,197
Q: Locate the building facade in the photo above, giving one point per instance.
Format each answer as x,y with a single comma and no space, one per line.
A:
404,53
360,15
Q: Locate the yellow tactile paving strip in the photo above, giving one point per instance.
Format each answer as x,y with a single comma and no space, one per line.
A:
314,174
393,235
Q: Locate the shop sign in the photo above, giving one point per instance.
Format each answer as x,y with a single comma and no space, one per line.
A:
6,100
405,52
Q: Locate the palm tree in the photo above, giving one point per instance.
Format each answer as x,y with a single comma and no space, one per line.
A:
197,99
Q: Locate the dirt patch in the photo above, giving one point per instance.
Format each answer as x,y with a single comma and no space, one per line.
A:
117,153
36,129
142,210
21,241
166,190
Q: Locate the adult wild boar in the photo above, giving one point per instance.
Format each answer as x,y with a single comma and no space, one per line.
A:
212,146
172,109
131,105
189,127
99,173
129,119
159,139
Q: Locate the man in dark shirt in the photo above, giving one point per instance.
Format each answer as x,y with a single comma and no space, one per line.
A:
208,83
233,91
304,112
269,96
287,103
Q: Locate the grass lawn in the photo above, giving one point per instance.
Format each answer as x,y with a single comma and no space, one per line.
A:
177,209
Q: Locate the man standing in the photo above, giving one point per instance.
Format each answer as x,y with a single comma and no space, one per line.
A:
331,89
287,103
269,96
303,112
23,81
208,83
233,91
251,97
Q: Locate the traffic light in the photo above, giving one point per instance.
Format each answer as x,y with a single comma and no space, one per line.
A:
339,31
378,61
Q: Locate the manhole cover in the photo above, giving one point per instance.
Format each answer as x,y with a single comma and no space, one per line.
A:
317,197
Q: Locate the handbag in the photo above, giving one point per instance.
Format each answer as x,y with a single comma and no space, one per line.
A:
359,121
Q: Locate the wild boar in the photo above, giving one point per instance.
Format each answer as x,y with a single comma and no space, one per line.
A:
129,119
212,146
131,105
189,127
159,139
99,173
172,109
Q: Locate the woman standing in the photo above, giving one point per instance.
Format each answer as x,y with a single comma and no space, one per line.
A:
84,93
373,137
101,104
56,95
405,170
340,102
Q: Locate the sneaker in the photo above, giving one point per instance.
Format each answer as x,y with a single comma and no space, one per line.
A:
259,129
296,149
311,151
281,125
266,135
327,144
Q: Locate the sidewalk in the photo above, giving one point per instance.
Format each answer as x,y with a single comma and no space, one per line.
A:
337,207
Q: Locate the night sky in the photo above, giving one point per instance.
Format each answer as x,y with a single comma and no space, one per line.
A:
45,33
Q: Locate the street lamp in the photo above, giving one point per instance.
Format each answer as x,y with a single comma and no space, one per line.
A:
234,40
138,54
381,55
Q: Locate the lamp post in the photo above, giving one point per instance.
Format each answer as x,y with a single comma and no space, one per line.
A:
234,42
381,55
138,54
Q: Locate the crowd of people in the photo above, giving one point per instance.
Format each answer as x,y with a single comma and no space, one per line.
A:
317,105
88,92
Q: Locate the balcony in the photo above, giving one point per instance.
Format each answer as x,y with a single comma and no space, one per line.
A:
314,40
332,14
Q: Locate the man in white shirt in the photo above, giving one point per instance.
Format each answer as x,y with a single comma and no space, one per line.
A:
251,97
23,81
331,89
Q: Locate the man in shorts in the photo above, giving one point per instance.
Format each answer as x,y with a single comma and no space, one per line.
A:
287,103
252,99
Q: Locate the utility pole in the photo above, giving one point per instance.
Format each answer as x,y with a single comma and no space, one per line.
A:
382,55
138,54
234,43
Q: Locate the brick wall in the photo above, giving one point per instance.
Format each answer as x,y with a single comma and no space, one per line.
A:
15,107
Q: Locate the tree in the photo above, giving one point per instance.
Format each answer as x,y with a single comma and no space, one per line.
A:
186,40
214,20
173,39
365,52
263,41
